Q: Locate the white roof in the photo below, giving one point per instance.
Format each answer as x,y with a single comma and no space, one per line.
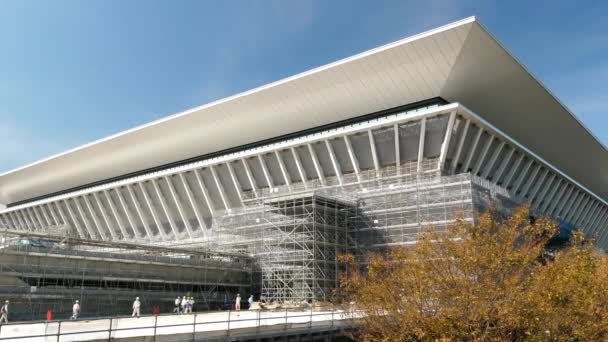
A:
460,62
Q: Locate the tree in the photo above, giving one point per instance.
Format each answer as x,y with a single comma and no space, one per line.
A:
489,281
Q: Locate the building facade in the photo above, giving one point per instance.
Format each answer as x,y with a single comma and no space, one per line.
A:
355,155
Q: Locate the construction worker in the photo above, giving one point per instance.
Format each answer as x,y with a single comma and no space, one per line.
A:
4,313
178,305
75,310
237,302
250,300
185,304
136,307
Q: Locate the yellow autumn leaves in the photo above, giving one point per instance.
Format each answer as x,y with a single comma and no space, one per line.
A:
491,281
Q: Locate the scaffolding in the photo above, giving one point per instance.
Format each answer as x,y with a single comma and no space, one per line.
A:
40,273
296,232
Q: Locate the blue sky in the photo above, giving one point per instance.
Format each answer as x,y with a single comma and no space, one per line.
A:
75,71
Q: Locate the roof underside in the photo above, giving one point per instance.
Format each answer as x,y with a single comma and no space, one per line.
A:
460,62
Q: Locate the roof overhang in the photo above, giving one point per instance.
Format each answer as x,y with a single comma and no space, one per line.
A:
460,62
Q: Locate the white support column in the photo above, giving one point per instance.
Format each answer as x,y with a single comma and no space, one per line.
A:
353,158
84,218
220,188
267,176
45,216
493,159
603,234
235,182
334,161
512,172
530,181
286,177
39,217
18,222
125,208
28,226
14,220
585,216
466,165
81,231
537,186
483,154
98,226
315,162
595,225
254,187
104,216
602,225
180,208
582,202
165,207
571,207
139,211
203,187
463,138
557,200
60,213
301,169
503,165
115,213
446,140
155,216
32,217
566,200
584,206
589,215
541,196
522,176
420,144
598,213
397,150
550,198
53,215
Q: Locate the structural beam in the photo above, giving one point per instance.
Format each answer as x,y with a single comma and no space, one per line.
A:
115,213
397,150
513,171
81,231
220,188
466,165
180,208
522,176
155,216
483,155
203,188
254,187
353,158
334,161
98,225
530,181
85,219
463,138
301,170
446,140
284,172
317,165
267,176
130,217
142,217
53,215
503,166
165,207
235,182
419,167
488,169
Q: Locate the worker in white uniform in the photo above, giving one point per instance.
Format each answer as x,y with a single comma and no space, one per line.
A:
136,307
237,302
75,310
4,313
250,300
178,305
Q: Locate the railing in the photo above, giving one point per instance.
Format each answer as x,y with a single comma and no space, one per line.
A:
185,326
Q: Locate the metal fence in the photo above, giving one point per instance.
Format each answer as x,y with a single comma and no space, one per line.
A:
182,327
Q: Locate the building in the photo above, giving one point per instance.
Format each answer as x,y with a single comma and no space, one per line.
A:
354,155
